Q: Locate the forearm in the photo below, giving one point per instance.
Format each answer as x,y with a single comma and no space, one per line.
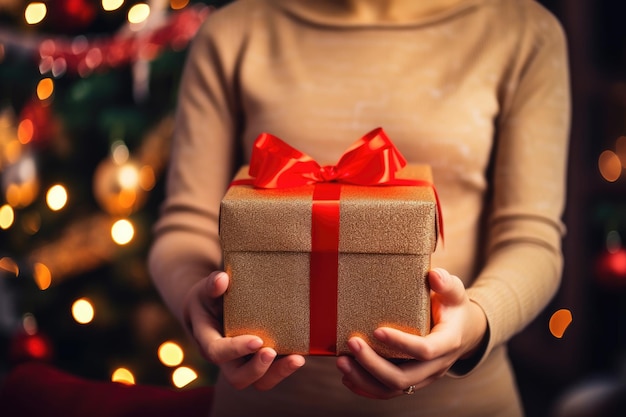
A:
177,260
515,286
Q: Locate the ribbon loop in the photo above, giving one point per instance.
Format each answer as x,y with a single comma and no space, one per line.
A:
371,160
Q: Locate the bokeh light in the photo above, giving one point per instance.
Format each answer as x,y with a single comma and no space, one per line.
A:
42,276
183,376
119,152
610,166
124,376
12,151
147,179
122,232
9,265
170,354
20,181
110,5
35,12
56,197
178,4
45,88
128,176
7,216
25,131
559,322
83,311
29,323
139,13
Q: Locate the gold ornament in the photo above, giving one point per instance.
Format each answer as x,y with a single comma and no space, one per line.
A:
118,187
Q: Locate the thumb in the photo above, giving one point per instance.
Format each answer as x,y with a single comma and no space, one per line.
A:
449,288
217,284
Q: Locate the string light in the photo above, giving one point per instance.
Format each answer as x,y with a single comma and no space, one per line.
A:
111,5
183,376
178,4
128,176
119,152
56,197
610,166
123,376
42,276
25,131
139,13
147,179
122,232
9,265
45,88
559,322
29,323
170,354
35,12
83,311
7,216
12,151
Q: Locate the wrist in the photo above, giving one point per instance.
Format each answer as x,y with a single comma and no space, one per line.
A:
479,336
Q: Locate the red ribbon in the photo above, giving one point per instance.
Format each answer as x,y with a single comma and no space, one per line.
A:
371,160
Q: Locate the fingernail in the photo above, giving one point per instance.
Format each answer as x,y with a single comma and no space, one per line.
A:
267,356
443,274
296,364
380,334
220,276
355,345
255,344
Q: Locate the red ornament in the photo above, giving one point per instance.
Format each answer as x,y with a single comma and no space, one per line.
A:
611,268
72,14
27,347
40,124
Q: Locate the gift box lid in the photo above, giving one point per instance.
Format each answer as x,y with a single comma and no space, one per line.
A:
373,219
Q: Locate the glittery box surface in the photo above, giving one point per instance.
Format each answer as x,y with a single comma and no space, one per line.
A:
386,237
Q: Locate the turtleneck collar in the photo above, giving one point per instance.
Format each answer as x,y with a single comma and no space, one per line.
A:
374,13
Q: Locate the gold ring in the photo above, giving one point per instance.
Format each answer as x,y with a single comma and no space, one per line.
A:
410,390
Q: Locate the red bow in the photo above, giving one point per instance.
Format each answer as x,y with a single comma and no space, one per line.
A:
371,160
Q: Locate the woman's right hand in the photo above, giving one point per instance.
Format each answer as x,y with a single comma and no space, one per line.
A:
242,359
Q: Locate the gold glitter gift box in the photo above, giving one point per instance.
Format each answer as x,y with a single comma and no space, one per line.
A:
307,300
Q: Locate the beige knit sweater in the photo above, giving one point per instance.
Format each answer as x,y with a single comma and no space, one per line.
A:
479,90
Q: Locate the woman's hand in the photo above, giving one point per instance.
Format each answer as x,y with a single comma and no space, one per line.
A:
459,328
242,359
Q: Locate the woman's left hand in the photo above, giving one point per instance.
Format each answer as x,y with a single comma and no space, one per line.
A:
459,327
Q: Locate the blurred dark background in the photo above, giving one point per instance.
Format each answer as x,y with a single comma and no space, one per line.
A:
86,100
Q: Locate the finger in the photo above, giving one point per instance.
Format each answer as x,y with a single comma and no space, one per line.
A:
362,380
439,342
243,373
203,303
221,350
214,286
359,381
204,329
279,370
380,368
449,287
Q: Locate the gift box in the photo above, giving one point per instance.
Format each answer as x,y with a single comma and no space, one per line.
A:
313,264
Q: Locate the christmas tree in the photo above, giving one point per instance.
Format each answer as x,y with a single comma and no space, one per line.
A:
87,92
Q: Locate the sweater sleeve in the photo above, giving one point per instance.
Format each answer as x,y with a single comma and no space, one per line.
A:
186,243
524,260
